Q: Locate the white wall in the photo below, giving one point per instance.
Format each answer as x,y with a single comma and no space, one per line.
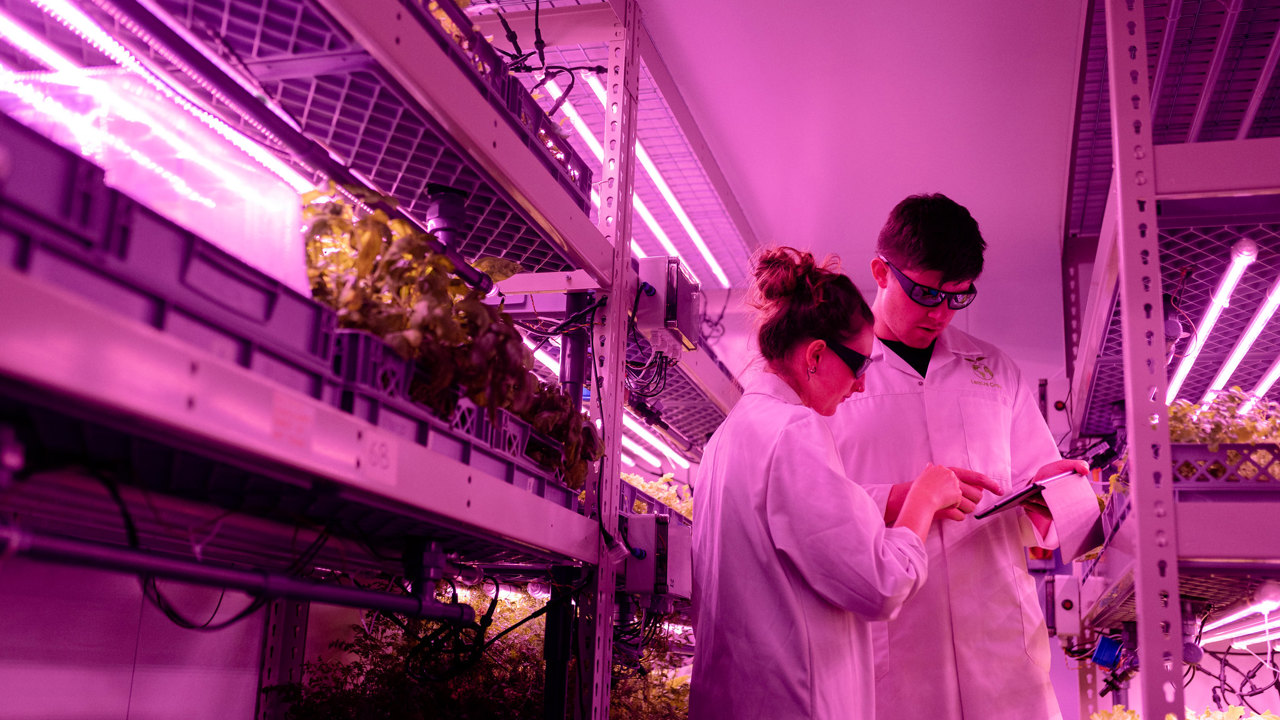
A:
80,643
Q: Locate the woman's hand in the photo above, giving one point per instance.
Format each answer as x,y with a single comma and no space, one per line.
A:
972,485
938,488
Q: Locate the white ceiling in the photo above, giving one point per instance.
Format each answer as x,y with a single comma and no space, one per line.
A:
824,114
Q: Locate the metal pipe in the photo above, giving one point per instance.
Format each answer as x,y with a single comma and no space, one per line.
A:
102,557
153,30
1166,51
1260,92
1215,69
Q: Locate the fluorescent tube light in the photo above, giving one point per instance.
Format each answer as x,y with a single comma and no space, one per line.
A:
16,34
84,26
541,356
1243,252
626,460
1263,386
1260,319
640,452
647,163
575,119
1242,617
87,132
644,434
1273,634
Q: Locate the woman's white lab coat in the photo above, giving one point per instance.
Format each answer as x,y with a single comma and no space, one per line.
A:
972,643
790,561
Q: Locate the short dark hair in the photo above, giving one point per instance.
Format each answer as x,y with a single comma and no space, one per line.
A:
933,232
801,300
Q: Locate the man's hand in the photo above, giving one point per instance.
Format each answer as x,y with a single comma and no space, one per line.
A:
972,485
1037,511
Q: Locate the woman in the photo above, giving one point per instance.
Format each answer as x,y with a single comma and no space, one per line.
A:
791,559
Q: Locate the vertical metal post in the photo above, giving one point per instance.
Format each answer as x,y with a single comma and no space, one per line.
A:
557,643
1087,678
609,347
283,643
558,633
1150,472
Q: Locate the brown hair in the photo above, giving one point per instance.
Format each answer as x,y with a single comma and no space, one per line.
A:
800,300
933,232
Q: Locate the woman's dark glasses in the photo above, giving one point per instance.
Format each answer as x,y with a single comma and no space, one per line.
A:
933,297
857,362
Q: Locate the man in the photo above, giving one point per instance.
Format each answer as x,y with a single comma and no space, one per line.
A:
972,644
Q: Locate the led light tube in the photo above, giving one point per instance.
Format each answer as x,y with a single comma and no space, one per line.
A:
1267,623
653,440
17,35
575,119
647,163
1239,618
1265,637
640,452
1263,386
542,357
1243,252
84,26
626,460
1260,319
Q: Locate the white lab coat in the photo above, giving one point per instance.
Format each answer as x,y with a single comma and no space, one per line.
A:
790,561
972,644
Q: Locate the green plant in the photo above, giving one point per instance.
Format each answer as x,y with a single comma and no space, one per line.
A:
383,671
1229,418
381,275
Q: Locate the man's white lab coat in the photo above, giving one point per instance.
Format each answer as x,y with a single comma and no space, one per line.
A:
972,644
790,561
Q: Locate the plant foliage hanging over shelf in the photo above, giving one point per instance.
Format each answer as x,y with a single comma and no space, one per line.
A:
381,275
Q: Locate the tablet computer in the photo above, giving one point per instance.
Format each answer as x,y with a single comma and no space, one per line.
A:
1027,493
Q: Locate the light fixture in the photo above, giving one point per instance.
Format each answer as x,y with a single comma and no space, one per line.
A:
1260,319
626,460
659,182
1256,613
82,25
640,452
644,434
1273,633
1245,251
575,119
87,132
1263,386
17,35
541,356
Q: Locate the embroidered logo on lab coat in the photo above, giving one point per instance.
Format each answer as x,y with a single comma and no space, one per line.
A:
983,372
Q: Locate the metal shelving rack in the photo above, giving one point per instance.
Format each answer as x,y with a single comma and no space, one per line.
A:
104,373
1177,118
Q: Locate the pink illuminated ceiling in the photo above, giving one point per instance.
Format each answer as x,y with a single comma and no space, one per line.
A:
824,114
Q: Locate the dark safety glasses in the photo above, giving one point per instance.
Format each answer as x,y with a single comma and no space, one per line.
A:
857,362
933,297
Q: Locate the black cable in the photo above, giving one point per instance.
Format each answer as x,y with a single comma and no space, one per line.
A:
538,43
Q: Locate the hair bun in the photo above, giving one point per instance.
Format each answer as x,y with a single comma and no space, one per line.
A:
782,272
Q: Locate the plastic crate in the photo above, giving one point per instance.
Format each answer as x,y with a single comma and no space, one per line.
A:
489,74
542,132
365,360
454,440
155,254
56,261
47,183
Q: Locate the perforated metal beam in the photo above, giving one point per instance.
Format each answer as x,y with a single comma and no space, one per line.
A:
1150,472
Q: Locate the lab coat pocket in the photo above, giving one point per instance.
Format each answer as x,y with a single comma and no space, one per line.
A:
987,435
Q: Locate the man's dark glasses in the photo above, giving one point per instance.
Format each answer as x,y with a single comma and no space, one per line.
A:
933,297
857,362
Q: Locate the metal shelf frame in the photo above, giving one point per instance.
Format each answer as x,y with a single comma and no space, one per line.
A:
62,353
1165,543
